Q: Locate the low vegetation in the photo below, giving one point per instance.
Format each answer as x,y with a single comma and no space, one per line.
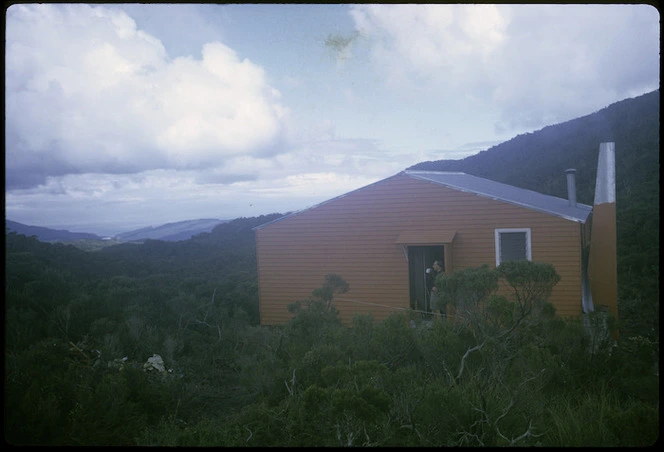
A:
87,334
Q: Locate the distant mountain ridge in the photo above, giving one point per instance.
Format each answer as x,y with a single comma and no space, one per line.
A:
47,234
171,232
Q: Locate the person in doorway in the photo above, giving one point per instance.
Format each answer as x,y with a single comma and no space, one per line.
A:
430,277
435,304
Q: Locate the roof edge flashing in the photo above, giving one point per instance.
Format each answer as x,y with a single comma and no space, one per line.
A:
577,218
415,172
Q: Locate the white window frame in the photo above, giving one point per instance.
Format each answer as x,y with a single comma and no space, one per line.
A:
497,233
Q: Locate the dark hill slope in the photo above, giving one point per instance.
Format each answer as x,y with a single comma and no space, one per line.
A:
537,160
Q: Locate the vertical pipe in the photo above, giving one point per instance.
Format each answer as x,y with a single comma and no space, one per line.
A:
571,186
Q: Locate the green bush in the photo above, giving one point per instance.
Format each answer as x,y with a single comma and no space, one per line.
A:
467,289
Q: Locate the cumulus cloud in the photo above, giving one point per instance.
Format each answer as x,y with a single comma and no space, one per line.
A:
86,91
539,64
429,42
292,181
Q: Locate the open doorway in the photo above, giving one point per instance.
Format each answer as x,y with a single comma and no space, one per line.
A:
419,259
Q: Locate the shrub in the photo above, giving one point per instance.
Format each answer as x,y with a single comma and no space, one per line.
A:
531,284
466,289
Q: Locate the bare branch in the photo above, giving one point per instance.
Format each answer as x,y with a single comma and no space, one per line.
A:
463,359
513,441
504,413
531,378
75,347
447,371
291,388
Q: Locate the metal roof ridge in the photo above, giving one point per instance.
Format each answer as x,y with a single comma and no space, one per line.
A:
435,172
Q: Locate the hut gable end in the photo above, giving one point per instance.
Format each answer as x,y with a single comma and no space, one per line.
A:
371,237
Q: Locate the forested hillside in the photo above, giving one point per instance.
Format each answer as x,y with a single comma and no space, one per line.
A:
158,344
537,161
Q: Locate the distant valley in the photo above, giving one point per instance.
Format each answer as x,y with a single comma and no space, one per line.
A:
47,234
171,232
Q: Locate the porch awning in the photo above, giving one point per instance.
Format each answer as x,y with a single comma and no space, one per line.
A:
425,237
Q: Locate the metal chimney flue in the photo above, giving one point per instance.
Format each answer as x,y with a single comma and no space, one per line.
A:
571,186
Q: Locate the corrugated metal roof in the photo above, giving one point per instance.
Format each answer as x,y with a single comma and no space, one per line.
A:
507,193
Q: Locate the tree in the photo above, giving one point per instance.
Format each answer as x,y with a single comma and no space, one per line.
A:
531,284
334,285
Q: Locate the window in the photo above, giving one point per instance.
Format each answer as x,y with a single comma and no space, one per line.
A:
512,245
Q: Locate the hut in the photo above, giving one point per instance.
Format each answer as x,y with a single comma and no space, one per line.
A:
381,238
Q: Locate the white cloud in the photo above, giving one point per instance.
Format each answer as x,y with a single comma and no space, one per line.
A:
537,64
429,41
89,92
306,175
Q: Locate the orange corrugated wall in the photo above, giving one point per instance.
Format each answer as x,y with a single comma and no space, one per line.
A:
354,236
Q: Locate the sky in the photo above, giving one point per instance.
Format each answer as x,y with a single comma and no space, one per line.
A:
121,116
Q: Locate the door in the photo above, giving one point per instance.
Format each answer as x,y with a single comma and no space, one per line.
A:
419,259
